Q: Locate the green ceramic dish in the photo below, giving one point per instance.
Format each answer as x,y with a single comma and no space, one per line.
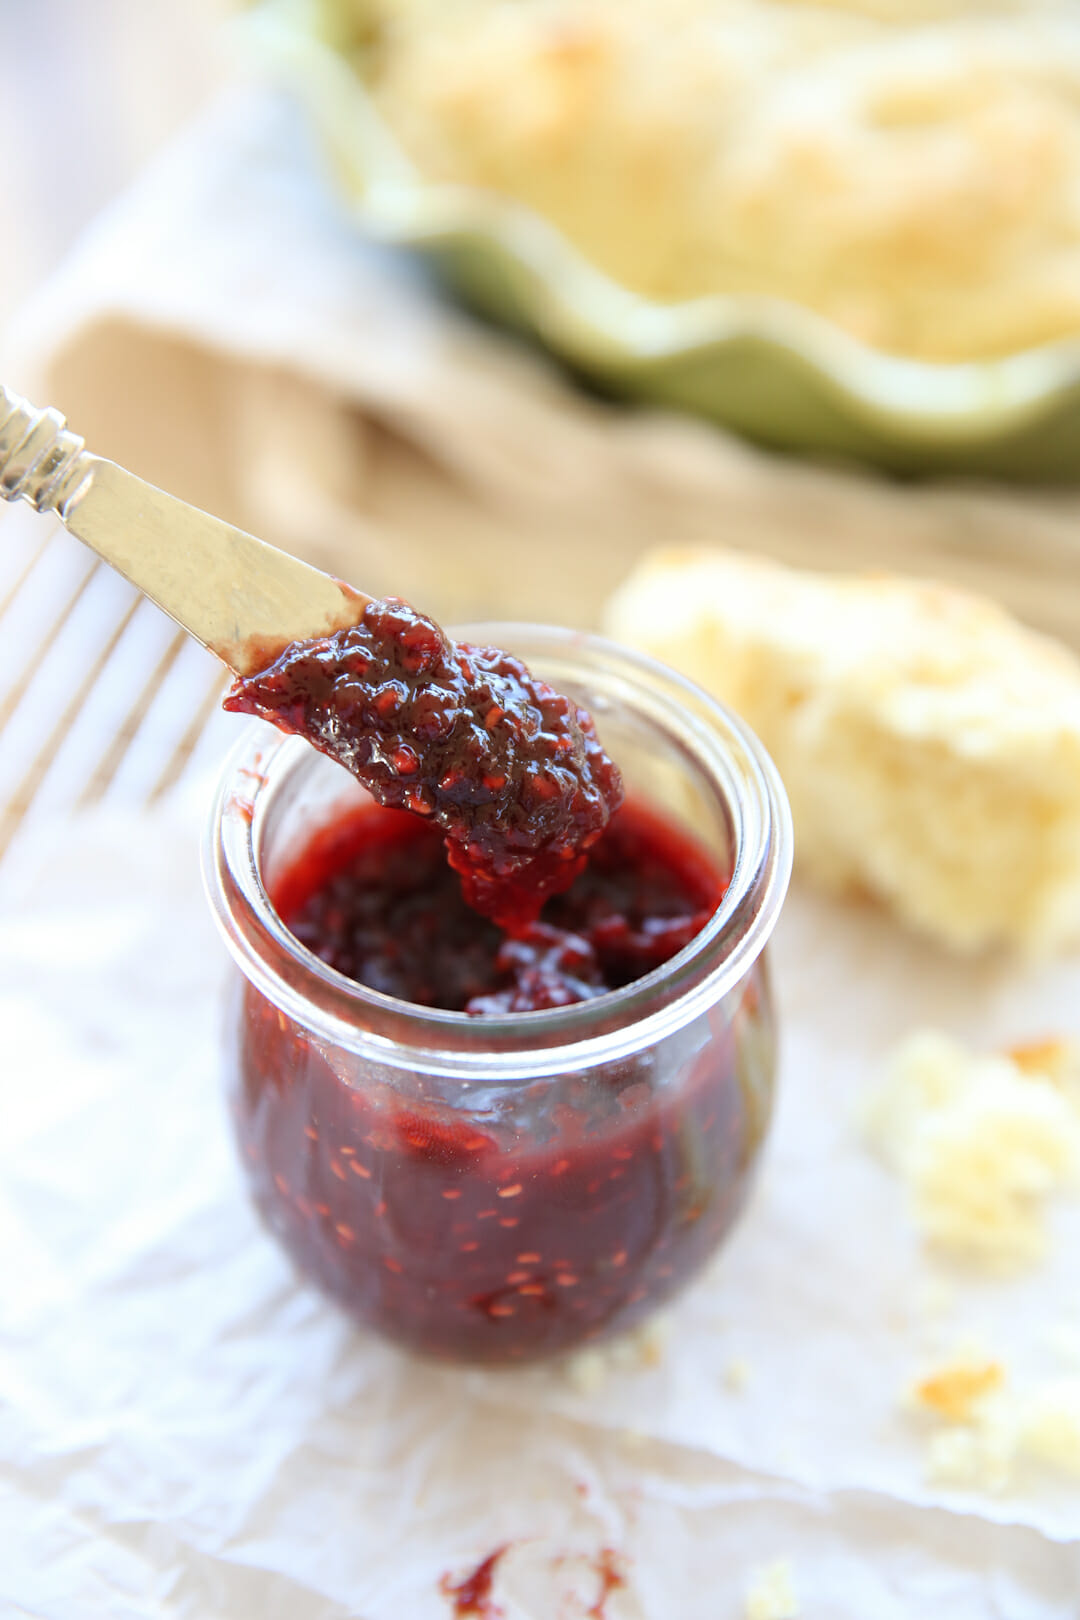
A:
774,371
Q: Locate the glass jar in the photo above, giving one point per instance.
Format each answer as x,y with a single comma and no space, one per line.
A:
497,1189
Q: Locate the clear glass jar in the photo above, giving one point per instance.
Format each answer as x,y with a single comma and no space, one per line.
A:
498,1189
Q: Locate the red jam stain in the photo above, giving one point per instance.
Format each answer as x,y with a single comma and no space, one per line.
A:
472,1594
511,772
610,1568
518,1222
246,807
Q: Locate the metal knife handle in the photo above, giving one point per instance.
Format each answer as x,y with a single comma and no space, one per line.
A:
40,458
239,596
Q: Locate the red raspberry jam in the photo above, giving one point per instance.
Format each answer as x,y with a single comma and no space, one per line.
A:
546,1215
511,772
373,897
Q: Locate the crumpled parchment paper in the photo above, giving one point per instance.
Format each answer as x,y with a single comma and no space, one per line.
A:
188,1430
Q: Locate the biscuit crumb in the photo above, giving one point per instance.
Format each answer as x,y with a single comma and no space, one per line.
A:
952,1392
981,1144
646,1346
587,1370
1050,1430
770,1594
978,1441
988,1430
643,1348
737,1374
1053,1059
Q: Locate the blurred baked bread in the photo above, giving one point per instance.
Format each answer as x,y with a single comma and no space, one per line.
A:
910,169
929,743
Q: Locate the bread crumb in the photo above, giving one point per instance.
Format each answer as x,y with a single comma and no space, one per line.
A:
770,1594
646,1346
589,1370
979,1442
988,1429
1050,1428
981,1144
953,1391
737,1374
929,743
979,1458
1053,1059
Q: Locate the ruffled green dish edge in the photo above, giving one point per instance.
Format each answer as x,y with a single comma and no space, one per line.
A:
773,371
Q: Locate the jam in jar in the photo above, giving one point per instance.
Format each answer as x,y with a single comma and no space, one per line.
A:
494,1148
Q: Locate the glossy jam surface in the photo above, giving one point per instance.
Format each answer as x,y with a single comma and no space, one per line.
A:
497,1222
374,898
511,772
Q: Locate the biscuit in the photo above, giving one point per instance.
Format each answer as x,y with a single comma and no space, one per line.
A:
908,169
929,743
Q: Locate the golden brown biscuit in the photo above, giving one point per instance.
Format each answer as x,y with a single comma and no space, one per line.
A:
910,169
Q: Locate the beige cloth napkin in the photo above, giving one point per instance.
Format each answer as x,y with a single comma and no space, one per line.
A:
227,332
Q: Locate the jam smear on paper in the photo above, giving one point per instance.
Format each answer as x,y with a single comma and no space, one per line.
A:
471,1596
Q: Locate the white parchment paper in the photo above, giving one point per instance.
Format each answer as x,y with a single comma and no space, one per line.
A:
187,1430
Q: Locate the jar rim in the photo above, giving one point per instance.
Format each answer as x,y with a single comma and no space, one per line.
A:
552,1040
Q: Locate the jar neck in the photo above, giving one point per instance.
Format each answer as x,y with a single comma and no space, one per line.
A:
267,772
